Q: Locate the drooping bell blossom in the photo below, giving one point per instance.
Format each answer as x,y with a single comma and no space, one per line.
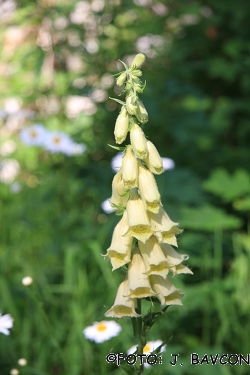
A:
180,268
119,251
138,281
131,104
153,159
139,225
148,189
167,293
121,79
129,169
141,112
138,61
163,227
138,141
153,257
172,256
123,305
121,126
119,197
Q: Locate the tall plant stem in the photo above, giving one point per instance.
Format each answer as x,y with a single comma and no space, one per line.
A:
139,368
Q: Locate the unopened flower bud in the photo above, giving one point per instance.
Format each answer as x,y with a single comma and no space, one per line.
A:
138,61
154,258
167,293
119,197
121,127
148,189
121,79
141,112
139,226
138,141
136,73
129,169
119,251
124,305
131,105
138,281
153,159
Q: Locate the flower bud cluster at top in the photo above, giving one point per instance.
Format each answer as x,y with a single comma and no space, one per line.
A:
143,237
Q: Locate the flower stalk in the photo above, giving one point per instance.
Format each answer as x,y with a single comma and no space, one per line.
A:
143,240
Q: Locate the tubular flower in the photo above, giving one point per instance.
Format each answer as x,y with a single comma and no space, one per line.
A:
119,197
153,159
167,293
180,268
124,305
119,251
173,257
148,189
138,281
154,258
138,61
121,126
164,228
129,169
138,141
139,226
121,79
141,112
131,105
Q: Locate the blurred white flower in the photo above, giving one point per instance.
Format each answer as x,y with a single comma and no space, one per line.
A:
72,148
34,135
160,9
107,207
14,371
97,5
79,104
27,280
147,44
99,95
7,147
12,105
57,142
9,169
148,348
22,361
168,163
143,3
91,45
6,322
102,331
107,81
116,162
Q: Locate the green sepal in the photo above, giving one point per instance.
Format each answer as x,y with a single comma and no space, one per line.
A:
118,148
123,63
117,100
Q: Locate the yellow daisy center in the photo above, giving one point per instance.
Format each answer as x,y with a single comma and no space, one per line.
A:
146,348
101,327
56,140
33,134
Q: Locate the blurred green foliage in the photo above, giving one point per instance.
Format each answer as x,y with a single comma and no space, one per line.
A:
52,225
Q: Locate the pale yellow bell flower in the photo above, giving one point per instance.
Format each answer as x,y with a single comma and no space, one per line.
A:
148,189
138,141
121,79
153,159
172,256
138,61
123,305
121,126
139,226
119,196
167,293
138,281
119,251
131,105
153,257
165,229
141,112
129,169
180,269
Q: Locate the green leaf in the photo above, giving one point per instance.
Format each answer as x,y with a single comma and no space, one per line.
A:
118,101
207,218
228,187
117,147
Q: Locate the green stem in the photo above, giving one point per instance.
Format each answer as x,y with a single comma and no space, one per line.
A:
139,367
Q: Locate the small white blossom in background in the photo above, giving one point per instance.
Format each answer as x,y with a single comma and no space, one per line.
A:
107,207
34,135
27,280
75,105
102,331
116,161
99,95
61,142
6,322
14,371
7,148
107,81
22,362
147,44
148,348
12,105
160,9
168,163
9,169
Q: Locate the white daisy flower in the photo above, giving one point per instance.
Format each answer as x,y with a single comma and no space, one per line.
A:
116,162
58,142
107,208
34,135
73,149
6,322
27,280
168,163
148,348
102,331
